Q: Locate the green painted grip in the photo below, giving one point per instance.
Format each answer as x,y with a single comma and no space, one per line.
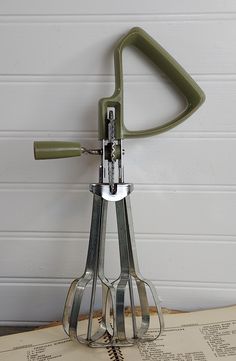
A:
165,63
53,150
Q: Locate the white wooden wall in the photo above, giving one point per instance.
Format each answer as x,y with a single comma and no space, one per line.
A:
56,62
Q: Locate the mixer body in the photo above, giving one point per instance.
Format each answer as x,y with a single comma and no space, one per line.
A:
130,308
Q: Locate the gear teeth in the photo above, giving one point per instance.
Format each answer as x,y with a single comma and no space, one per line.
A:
111,167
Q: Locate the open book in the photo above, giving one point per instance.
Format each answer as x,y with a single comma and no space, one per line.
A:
207,335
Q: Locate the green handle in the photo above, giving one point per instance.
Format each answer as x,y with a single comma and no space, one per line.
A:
53,150
164,62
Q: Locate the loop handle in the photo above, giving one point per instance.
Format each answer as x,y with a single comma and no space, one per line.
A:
138,38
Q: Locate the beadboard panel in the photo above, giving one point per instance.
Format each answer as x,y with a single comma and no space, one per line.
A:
43,302
56,63
71,104
45,7
171,210
169,259
59,48
165,161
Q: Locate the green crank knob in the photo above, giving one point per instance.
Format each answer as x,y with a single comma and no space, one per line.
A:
55,149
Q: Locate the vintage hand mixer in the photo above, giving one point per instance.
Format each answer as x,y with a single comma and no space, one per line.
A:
112,328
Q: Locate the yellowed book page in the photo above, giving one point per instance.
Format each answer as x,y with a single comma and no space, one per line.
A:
208,335
45,345
197,336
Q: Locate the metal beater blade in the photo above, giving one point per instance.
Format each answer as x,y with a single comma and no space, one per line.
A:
93,272
129,271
